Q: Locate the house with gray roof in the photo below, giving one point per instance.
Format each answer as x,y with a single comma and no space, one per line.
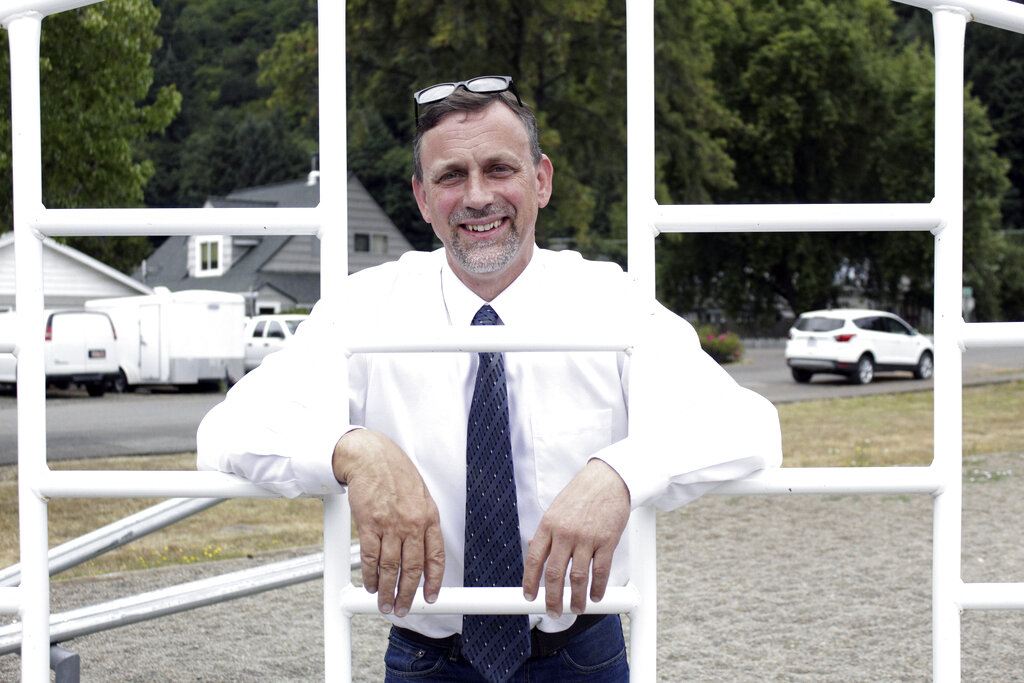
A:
274,272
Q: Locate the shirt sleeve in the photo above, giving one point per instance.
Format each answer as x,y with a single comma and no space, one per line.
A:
278,426
692,427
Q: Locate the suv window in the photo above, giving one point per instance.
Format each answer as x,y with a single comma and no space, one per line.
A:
258,330
870,323
274,331
818,324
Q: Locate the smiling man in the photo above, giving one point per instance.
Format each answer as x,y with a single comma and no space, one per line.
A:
490,469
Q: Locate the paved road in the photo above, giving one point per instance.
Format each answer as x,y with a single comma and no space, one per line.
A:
165,421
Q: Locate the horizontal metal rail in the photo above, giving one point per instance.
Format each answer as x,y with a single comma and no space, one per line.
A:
124,611
992,596
797,218
131,484
8,347
461,600
115,535
494,338
13,8
833,480
224,221
10,600
979,335
998,13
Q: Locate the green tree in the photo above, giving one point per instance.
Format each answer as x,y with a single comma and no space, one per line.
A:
833,109
95,80
211,52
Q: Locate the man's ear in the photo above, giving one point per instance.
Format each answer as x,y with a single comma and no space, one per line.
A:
545,172
420,193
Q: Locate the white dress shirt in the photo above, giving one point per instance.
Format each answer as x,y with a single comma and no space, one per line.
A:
278,426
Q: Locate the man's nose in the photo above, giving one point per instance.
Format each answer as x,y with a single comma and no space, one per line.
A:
478,192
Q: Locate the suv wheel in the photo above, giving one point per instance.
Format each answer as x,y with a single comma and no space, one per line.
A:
925,366
865,371
802,376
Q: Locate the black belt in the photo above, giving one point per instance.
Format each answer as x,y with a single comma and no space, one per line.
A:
542,643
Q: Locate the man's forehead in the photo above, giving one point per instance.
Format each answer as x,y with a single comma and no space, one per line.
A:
491,129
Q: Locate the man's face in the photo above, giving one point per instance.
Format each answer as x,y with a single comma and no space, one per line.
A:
481,193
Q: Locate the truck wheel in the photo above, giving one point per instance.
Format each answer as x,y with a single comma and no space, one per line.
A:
925,366
119,384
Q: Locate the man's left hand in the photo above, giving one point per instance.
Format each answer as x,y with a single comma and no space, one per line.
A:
583,526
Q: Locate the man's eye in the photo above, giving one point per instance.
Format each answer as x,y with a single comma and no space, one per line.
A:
501,169
449,177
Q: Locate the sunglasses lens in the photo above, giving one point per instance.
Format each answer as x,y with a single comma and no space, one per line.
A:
488,84
435,93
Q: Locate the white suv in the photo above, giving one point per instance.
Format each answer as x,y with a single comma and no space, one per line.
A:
856,343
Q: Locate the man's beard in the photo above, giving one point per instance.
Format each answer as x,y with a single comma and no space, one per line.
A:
489,257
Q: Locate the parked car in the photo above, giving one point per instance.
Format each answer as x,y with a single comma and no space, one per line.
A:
79,348
856,343
265,334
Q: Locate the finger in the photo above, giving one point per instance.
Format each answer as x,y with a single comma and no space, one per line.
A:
387,572
601,572
409,577
579,577
369,557
433,572
533,563
554,580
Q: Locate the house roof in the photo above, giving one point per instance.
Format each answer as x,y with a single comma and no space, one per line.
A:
115,280
168,264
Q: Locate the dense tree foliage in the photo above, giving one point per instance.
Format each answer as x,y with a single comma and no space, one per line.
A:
776,102
95,81
228,135
833,108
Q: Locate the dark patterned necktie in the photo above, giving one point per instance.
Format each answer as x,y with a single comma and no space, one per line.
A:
496,645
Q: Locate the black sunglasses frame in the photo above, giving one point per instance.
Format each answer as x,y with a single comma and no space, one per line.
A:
509,85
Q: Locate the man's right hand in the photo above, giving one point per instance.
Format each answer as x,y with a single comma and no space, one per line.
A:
397,521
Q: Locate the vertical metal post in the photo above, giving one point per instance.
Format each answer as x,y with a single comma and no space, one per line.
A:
640,174
23,34
640,142
333,209
949,25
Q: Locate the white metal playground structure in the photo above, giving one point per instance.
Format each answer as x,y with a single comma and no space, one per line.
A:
943,217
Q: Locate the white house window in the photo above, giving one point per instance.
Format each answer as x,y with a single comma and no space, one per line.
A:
370,244
209,256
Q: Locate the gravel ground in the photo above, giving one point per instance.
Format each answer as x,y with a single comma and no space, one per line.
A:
802,588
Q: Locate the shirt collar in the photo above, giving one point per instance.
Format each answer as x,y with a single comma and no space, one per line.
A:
512,305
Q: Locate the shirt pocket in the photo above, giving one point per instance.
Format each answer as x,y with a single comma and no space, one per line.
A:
562,445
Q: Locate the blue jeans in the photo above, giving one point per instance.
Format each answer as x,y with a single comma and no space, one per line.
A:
597,655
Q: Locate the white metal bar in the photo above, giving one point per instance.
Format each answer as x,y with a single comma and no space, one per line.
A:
460,600
640,165
333,147
640,204
495,338
10,600
225,221
992,596
337,576
978,335
129,484
114,535
998,13
835,480
797,217
174,599
23,34
12,8
949,26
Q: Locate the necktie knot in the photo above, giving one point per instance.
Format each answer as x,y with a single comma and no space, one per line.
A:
486,316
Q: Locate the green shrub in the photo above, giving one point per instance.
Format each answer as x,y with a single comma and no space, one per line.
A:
724,347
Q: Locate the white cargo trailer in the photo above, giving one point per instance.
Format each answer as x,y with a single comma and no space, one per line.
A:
178,338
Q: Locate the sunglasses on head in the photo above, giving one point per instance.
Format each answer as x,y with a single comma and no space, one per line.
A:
480,84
